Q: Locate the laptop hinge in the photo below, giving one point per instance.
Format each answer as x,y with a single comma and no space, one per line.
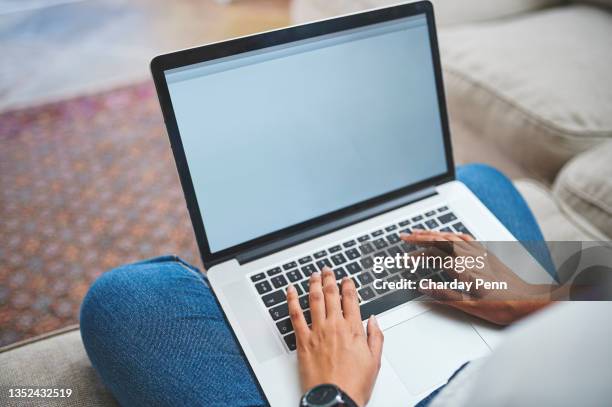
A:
328,227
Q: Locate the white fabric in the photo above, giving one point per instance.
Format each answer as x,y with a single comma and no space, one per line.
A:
585,186
447,12
559,357
557,221
537,85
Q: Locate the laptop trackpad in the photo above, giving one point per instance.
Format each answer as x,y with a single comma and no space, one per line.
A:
425,351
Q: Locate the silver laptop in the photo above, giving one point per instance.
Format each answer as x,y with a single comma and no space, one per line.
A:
317,145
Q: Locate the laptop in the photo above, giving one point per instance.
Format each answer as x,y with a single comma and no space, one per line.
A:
313,146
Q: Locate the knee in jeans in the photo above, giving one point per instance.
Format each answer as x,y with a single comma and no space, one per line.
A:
481,171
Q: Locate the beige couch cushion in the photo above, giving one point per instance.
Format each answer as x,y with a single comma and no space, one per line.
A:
557,221
585,185
57,361
447,11
538,85
603,3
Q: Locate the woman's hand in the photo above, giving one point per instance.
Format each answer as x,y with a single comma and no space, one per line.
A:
501,307
335,349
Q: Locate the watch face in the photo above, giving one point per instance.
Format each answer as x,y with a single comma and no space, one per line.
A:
322,395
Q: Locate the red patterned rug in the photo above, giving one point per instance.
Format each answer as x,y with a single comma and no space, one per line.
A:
86,184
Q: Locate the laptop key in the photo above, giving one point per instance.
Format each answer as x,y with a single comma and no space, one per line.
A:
366,248
284,326
258,277
299,290
290,341
391,228
324,263
263,287
380,243
305,260
382,289
366,293
446,229
365,278
294,275
404,223
363,238
304,302
382,273
306,285
320,254
394,251
279,281
393,238
406,231
417,218
377,233
431,224
443,209
308,270
447,218
289,265
274,271
274,298
353,267
357,285
339,272
335,249
280,311
418,226
459,227
338,259
352,254
367,263
430,213
308,317
349,243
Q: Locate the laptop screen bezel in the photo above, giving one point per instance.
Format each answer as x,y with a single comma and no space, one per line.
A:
191,56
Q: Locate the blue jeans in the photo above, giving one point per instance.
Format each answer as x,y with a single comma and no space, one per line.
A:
157,337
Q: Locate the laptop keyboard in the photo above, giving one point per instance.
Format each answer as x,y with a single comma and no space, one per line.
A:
354,259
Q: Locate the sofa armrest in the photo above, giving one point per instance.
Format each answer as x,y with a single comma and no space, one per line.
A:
56,361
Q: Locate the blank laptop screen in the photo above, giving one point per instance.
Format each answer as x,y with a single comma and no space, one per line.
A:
279,136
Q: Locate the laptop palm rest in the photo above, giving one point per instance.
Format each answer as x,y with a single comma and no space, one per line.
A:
426,350
252,320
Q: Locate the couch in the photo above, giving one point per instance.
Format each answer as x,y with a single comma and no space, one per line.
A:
529,79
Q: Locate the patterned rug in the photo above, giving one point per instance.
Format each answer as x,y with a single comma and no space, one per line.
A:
85,185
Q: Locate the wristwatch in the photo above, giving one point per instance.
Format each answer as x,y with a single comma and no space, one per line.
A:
326,395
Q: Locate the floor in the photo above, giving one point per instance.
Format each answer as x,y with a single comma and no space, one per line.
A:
65,216
73,46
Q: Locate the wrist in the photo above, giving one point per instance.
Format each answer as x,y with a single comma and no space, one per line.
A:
328,395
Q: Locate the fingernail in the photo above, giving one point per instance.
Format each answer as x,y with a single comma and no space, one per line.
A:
374,320
290,288
315,274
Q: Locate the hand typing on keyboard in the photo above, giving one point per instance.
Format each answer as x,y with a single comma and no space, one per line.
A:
335,348
500,307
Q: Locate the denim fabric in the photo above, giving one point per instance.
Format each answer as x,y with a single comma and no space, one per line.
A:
498,194
157,337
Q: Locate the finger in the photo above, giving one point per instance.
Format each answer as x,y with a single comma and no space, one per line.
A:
315,298
375,338
350,303
295,313
331,294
